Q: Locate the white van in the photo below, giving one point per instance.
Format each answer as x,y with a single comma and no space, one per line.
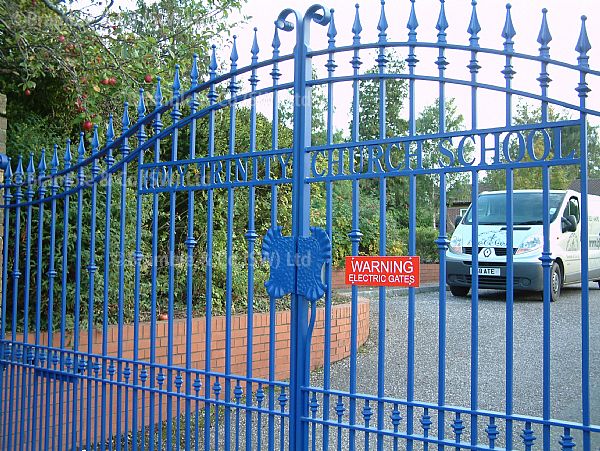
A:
565,242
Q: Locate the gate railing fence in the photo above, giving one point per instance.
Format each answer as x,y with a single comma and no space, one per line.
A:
169,216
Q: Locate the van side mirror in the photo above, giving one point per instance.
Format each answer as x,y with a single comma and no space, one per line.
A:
569,223
457,221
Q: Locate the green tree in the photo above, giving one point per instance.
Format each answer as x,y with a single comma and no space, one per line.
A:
560,176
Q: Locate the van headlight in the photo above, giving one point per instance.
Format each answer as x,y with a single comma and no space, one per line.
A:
531,244
456,245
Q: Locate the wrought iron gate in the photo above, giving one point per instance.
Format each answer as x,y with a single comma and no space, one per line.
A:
94,238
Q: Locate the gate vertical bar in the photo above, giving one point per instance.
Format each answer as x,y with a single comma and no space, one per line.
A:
26,372
63,302
355,234
275,74
544,39
331,66
583,46
251,237
233,88
508,33
141,138
190,240
38,299
121,295
442,240
473,30
410,375
381,63
92,268
5,250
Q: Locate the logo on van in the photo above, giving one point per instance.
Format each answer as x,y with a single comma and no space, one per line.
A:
487,252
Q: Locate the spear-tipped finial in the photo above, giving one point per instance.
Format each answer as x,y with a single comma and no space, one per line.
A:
234,54
54,161
110,131
382,25
212,66
544,37
176,82
508,32
413,23
276,44
68,157
141,108
356,27
194,74
30,168
254,49
42,165
583,43
95,140
158,93
474,27
125,121
331,31
19,172
8,175
442,23
81,148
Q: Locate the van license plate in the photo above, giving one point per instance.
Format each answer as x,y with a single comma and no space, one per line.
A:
486,271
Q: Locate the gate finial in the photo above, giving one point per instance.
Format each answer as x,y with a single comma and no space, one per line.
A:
42,164
442,23
544,37
413,23
356,27
176,83
141,108
254,50
158,94
54,161
110,131
276,43
95,141
194,71
30,176
212,66
331,31
67,158
234,54
81,148
19,172
382,25
583,44
474,27
508,32
125,121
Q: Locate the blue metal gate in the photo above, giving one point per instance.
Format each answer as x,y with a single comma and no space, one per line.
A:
94,238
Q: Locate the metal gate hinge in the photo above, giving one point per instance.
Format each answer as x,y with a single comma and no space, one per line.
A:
296,263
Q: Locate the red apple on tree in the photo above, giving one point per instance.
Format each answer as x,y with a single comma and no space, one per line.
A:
87,125
112,81
61,38
148,78
27,92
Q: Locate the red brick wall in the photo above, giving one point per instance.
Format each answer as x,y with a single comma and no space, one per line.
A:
339,340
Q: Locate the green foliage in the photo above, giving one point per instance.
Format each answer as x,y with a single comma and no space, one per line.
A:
560,176
426,248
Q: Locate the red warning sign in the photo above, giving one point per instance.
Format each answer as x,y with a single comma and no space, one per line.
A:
383,271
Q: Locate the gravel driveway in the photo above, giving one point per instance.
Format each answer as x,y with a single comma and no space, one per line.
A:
528,332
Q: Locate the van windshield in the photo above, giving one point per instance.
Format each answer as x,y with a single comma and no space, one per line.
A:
491,208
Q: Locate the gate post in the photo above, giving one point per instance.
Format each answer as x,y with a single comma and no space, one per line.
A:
299,335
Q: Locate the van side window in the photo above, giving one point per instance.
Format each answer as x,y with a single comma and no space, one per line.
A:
573,209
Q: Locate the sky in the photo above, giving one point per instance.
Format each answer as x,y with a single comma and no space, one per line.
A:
564,18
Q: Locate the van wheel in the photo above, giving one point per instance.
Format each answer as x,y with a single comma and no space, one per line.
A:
459,291
556,282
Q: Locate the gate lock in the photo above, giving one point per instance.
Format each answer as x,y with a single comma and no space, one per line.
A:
296,263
